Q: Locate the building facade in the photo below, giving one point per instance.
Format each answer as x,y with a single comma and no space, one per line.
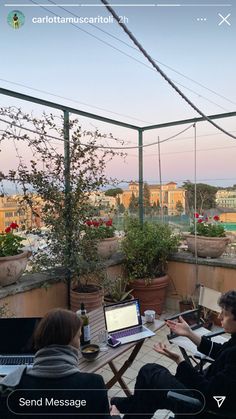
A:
166,196
226,199
12,210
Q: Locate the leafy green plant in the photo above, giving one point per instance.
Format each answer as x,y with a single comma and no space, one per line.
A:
115,290
10,244
208,227
146,249
64,186
100,229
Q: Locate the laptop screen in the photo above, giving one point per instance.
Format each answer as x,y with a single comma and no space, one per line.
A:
16,335
122,315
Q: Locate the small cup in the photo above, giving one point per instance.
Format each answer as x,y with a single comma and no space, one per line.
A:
102,340
149,315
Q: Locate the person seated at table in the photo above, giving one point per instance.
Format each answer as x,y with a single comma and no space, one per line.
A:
57,341
154,381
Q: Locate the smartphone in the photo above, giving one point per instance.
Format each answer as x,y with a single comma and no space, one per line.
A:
113,342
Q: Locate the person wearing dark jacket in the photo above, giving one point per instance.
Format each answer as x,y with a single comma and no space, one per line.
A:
219,379
54,384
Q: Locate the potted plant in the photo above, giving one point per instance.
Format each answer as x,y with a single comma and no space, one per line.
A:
65,184
104,231
13,259
210,239
146,249
116,290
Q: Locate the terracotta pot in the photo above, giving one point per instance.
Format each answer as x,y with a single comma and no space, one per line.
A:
212,247
151,296
107,247
92,299
12,267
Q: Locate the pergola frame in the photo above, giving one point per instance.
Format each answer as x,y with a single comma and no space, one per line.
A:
140,130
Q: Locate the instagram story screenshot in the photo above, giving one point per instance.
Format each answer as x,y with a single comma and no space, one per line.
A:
117,209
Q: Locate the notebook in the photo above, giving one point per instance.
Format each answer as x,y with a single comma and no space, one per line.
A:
124,322
16,342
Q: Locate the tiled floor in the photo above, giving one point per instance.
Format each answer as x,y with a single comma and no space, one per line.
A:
146,355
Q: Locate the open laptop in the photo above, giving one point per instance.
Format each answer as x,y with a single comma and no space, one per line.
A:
124,322
16,342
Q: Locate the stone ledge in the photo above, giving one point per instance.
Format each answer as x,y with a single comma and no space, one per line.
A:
31,281
187,257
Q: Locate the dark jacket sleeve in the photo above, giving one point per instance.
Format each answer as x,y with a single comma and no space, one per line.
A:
223,380
209,348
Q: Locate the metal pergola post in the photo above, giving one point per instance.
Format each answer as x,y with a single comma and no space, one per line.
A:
140,170
67,200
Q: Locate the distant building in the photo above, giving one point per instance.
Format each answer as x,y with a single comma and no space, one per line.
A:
13,210
167,196
99,199
226,199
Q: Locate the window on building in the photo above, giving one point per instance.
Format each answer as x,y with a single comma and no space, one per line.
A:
8,214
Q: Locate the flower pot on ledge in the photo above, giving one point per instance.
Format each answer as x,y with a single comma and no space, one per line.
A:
152,296
91,296
107,247
212,247
12,267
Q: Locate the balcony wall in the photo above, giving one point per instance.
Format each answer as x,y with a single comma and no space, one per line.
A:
35,294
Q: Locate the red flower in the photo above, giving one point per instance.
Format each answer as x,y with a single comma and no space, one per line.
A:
206,219
109,223
200,220
196,215
14,226
216,218
95,223
89,223
8,230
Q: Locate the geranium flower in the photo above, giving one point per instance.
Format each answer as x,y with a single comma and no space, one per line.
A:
14,226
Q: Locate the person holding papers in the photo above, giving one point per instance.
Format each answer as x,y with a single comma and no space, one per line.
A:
219,379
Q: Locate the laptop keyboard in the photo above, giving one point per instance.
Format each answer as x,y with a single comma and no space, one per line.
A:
127,332
16,360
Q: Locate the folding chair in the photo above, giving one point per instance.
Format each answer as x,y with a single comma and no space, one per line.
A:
207,299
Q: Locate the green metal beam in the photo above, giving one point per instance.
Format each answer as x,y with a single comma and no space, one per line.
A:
140,164
54,105
189,121
67,201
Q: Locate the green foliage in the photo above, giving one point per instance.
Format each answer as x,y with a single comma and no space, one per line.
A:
4,310
113,192
179,207
206,196
115,290
64,186
99,229
208,229
133,204
147,248
121,208
10,244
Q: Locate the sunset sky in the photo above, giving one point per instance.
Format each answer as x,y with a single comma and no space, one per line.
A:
90,75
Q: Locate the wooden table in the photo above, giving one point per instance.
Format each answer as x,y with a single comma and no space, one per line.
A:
97,324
